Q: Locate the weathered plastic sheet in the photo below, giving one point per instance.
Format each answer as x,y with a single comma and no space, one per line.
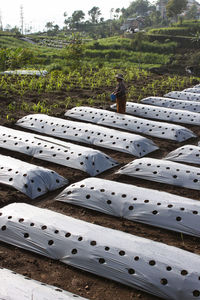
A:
163,171
161,113
122,121
187,154
31,180
172,103
14,286
192,90
25,72
183,96
74,156
165,271
89,133
134,203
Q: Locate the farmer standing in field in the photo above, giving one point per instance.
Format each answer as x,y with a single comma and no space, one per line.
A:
120,93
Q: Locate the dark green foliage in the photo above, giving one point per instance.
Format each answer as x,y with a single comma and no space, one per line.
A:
74,51
175,7
15,58
175,31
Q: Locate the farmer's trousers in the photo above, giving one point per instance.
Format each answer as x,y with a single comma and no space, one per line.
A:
121,105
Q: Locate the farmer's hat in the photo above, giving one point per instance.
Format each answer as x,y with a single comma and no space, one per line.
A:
120,76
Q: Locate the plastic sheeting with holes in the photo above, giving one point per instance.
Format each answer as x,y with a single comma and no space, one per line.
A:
135,203
89,133
31,180
183,96
172,103
161,113
163,171
113,119
165,271
88,160
192,90
25,72
187,154
14,286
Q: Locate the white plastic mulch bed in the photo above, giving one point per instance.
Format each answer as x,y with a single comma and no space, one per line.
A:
192,90
14,286
134,203
122,121
161,113
25,72
172,103
31,180
88,160
183,96
89,133
163,171
187,154
165,271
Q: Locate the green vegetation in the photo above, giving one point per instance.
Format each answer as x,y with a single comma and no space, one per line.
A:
81,70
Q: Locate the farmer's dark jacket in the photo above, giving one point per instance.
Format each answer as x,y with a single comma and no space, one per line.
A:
120,90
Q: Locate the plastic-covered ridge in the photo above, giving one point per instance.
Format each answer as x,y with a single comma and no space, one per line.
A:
90,134
25,72
161,113
14,286
172,103
187,154
74,156
165,271
192,90
163,171
135,124
135,203
183,96
31,180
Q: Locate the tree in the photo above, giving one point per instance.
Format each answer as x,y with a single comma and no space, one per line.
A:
117,12
155,17
74,22
192,13
137,43
137,7
74,51
175,7
94,13
49,25
51,28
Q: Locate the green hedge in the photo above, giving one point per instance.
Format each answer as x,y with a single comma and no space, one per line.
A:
128,44
174,31
132,56
182,41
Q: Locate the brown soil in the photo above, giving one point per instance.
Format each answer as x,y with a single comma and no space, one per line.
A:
59,274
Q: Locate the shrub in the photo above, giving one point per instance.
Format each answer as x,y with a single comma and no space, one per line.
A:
15,58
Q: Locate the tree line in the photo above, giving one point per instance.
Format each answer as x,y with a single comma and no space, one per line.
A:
97,26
